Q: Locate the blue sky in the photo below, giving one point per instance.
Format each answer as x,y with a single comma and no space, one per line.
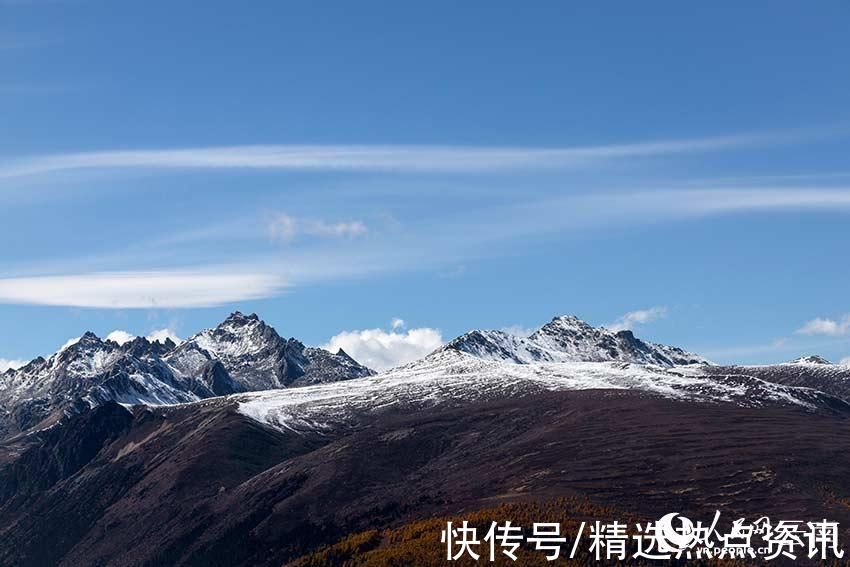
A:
335,165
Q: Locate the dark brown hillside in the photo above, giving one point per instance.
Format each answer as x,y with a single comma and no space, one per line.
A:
204,485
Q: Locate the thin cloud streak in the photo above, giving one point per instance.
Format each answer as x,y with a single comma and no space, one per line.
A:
375,158
628,209
661,205
141,290
545,215
733,200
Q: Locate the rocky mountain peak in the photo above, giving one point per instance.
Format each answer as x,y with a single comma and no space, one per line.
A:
344,355
257,358
86,346
238,335
495,345
239,319
565,324
88,340
569,339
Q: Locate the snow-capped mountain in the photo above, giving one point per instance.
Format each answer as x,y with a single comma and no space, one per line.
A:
257,358
569,339
84,375
241,354
565,354
247,358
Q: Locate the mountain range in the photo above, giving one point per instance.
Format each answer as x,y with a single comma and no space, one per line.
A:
244,355
239,447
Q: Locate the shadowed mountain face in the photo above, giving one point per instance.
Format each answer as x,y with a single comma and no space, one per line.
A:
204,485
241,354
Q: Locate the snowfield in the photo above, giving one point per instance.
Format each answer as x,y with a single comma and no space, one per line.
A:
448,377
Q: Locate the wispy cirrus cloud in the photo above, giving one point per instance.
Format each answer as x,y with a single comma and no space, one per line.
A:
619,209
136,290
720,201
469,234
672,204
376,158
461,238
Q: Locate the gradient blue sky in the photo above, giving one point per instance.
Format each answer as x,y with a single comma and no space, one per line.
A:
334,165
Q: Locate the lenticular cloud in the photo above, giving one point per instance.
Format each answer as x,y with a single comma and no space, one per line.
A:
140,290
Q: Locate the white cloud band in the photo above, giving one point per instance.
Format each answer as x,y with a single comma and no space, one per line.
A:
129,290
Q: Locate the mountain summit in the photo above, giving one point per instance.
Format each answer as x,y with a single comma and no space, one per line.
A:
257,358
569,339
